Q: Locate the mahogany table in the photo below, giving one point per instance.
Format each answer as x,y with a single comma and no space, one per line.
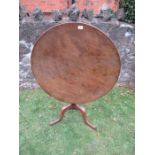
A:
75,63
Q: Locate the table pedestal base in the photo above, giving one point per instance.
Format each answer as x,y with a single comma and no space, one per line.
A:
73,107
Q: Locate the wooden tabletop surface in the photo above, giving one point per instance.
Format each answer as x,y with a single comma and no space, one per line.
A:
75,63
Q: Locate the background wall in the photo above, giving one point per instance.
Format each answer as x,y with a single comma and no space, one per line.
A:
34,24
50,5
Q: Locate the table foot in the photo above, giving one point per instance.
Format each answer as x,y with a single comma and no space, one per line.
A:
73,107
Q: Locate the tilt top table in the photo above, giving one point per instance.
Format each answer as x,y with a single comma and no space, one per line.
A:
75,63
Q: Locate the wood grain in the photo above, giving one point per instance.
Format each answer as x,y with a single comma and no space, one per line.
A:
75,63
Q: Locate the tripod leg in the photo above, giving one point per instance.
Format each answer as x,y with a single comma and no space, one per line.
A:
61,116
84,115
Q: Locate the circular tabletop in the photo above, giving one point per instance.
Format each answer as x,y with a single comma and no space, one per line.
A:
75,63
